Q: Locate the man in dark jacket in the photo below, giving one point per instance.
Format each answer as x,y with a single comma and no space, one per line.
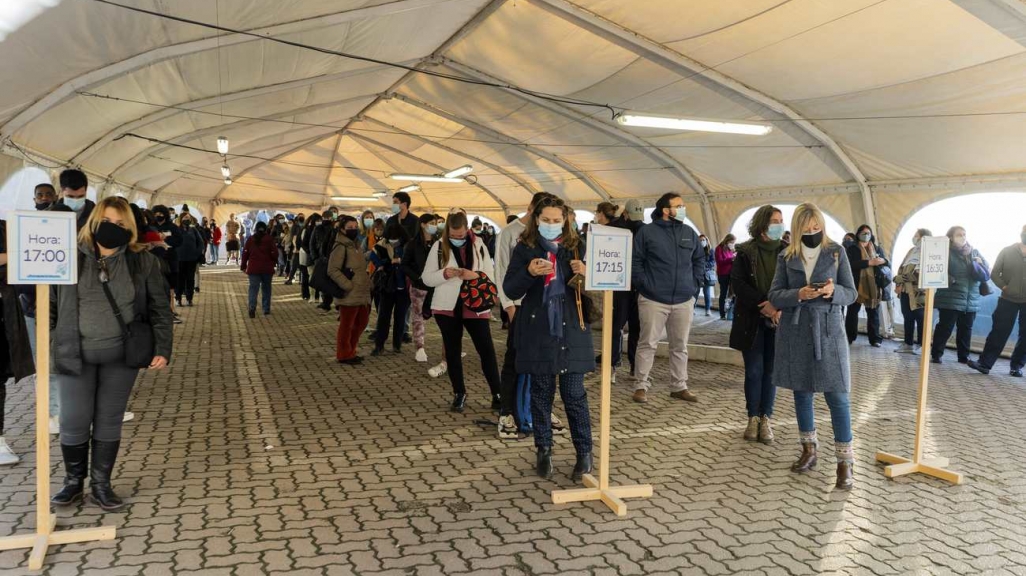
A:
401,215
74,185
322,239
667,269
190,252
172,236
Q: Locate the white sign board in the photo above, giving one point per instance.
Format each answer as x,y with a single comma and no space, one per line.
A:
41,248
609,258
933,262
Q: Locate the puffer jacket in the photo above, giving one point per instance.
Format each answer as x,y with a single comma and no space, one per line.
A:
964,277
348,268
668,264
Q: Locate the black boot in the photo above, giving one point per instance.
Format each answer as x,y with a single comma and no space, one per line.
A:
76,464
104,456
459,402
584,466
544,465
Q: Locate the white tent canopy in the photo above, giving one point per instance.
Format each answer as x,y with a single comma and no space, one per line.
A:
877,106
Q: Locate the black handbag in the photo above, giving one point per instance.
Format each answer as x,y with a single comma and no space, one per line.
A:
884,276
139,347
322,282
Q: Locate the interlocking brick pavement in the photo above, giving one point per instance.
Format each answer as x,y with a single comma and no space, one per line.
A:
255,453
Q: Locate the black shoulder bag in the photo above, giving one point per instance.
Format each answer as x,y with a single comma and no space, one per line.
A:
138,334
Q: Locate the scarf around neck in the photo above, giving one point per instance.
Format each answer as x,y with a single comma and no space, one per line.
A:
555,289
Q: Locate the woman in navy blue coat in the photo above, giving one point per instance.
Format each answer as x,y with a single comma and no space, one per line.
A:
553,337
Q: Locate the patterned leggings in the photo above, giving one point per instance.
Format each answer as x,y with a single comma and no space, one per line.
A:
417,297
575,401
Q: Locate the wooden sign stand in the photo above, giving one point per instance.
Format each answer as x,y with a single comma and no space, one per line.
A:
599,489
46,521
935,467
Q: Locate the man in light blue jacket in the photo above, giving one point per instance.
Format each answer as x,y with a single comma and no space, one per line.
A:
667,269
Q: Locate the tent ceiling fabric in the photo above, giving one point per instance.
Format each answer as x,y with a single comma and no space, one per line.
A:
858,92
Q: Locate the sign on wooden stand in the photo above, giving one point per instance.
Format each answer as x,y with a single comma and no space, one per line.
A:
42,250
933,275
609,270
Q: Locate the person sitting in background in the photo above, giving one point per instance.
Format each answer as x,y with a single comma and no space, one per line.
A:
913,300
348,268
866,258
960,301
1009,275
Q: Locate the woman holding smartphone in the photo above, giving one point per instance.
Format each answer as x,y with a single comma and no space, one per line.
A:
812,283
553,338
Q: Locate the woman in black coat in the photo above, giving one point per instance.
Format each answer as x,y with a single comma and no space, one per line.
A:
553,336
866,258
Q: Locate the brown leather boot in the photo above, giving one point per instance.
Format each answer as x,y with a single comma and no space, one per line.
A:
845,475
807,461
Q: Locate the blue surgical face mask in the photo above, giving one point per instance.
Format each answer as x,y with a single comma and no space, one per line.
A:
441,225
458,242
775,231
681,214
432,229
395,208
550,231
75,204
368,222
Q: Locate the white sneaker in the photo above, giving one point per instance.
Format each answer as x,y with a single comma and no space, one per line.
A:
421,355
129,416
917,350
55,425
557,425
7,457
507,428
904,349
438,370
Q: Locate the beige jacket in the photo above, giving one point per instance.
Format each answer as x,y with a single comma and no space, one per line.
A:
358,289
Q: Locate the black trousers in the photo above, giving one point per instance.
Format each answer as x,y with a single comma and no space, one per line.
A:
913,321
963,337
186,280
851,323
5,367
508,387
1004,320
393,311
293,265
304,280
625,313
480,334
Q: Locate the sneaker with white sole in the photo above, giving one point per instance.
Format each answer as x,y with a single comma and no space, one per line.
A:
7,456
904,349
421,355
55,426
438,370
128,417
508,428
917,350
557,425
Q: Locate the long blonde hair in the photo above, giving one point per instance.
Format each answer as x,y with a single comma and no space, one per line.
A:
804,215
457,219
85,235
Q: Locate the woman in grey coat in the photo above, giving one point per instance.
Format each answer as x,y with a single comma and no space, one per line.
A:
119,282
812,284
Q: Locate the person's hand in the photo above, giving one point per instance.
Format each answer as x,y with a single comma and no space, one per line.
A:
776,317
450,273
897,289
511,312
877,261
978,260
767,309
165,234
806,293
468,274
578,267
540,267
157,363
396,260
827,291
243,268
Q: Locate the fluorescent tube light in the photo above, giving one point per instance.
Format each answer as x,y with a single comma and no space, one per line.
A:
222,145
459,172
694,124
410,188
379,194
352,198
423,178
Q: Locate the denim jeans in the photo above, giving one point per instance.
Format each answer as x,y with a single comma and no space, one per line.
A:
256,283
707,292
840,413
214,253
760,393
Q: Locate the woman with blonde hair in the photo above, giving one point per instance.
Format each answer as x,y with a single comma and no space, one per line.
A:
116,320
812,283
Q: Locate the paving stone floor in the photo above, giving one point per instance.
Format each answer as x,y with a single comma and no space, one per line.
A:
255,453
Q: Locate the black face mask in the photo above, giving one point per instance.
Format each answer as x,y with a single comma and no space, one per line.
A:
160,219
111,236
43,205
813,240
352,234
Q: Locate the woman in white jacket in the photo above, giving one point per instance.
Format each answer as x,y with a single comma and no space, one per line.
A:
457,257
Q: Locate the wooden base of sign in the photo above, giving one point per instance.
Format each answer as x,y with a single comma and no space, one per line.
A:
45,535
935,467
598,488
